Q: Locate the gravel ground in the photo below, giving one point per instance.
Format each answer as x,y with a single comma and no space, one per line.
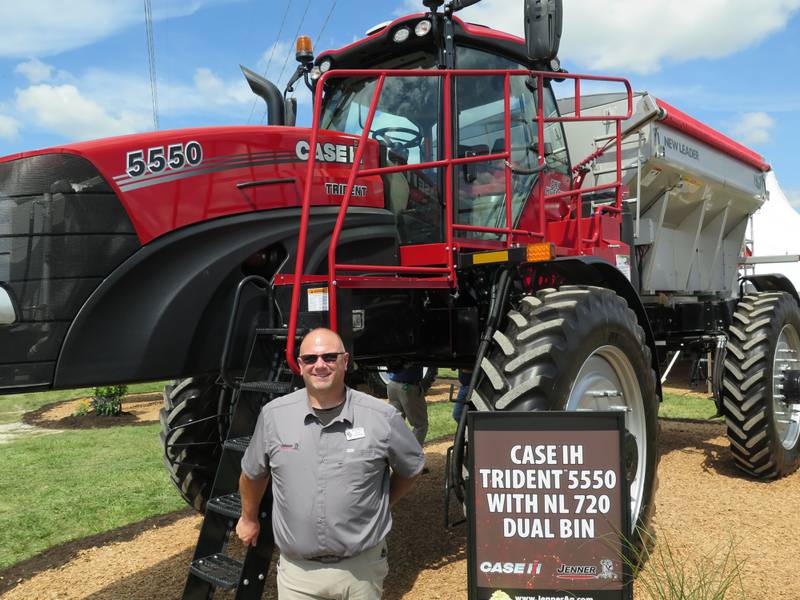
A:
703,504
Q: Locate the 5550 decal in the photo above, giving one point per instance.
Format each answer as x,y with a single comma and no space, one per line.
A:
162,158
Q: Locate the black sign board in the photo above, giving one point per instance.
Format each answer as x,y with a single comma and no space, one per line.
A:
548,506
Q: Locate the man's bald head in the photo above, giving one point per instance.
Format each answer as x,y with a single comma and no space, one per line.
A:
323,363
321,336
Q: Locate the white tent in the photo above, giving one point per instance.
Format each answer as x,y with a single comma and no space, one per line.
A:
776,232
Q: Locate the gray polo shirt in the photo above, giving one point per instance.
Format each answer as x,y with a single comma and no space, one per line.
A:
330,484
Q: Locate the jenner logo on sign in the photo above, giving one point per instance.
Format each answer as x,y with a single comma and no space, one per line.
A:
547,506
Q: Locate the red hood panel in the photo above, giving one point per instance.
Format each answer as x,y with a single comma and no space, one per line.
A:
170,179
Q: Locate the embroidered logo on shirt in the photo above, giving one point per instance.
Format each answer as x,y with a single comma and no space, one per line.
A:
290,447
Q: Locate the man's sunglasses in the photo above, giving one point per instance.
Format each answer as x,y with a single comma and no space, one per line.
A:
328,357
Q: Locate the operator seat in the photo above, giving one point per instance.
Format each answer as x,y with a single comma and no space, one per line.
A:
396,187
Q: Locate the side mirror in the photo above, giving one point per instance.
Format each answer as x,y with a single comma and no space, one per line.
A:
267,90
457,5
543,24
290,112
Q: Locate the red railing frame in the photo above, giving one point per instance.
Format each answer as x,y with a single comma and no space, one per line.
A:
448,162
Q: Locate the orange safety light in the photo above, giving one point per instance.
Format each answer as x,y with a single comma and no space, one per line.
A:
540,251
304,49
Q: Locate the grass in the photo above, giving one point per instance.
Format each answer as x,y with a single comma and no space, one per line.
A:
75,484
676,406
440,420
13,407
447,373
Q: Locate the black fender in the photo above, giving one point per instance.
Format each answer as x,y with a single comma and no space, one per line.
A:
591,270
773,282
163,312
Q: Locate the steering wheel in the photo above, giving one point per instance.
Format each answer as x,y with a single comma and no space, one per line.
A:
387,136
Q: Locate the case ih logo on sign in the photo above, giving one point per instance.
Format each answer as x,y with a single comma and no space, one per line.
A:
547,505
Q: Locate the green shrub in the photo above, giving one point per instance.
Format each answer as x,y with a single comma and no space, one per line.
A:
107,401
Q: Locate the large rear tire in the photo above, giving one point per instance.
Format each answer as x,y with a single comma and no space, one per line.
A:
763,424
581,348
193,424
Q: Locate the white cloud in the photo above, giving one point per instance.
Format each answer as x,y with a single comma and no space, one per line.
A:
215,91
100,103
9,127
614,35
753,128
64,110
274,58
35,70
45,27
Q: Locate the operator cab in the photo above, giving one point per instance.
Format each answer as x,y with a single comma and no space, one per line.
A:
408,125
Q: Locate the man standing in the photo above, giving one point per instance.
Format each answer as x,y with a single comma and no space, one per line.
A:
406,394
464,377
328,450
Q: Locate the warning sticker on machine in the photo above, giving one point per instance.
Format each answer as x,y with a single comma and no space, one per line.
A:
650,177
317,299
623,264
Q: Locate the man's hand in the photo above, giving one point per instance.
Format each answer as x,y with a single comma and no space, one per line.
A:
247,530
251,492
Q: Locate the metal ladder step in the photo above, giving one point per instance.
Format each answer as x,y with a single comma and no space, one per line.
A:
267,387
239,444
218,569
280,332
229,505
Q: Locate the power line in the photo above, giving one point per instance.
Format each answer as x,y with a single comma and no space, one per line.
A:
151,59
291,51
325,24
271,54
296,33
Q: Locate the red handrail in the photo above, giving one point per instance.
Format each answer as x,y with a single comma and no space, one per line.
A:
448,162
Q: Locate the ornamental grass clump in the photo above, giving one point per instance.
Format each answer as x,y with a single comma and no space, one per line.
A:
712,575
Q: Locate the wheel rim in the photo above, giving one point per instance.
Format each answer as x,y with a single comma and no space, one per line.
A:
786,416
607,381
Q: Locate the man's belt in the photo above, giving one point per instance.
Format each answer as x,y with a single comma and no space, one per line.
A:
327,559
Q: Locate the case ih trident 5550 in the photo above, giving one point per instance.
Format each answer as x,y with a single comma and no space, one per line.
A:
444,209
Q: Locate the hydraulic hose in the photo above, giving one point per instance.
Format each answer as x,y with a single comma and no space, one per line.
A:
499,293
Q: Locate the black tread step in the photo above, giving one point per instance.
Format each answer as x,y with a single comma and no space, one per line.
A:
240,444
218,569
267,387
229,505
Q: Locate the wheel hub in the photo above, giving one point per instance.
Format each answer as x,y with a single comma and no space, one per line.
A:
608,381
630,455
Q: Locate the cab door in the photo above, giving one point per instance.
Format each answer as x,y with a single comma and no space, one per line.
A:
480,188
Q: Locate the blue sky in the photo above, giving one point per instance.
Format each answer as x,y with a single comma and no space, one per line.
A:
81,72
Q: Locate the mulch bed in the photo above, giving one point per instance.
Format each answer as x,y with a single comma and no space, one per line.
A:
60,415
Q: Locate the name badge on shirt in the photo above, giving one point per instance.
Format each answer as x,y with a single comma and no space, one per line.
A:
356,433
